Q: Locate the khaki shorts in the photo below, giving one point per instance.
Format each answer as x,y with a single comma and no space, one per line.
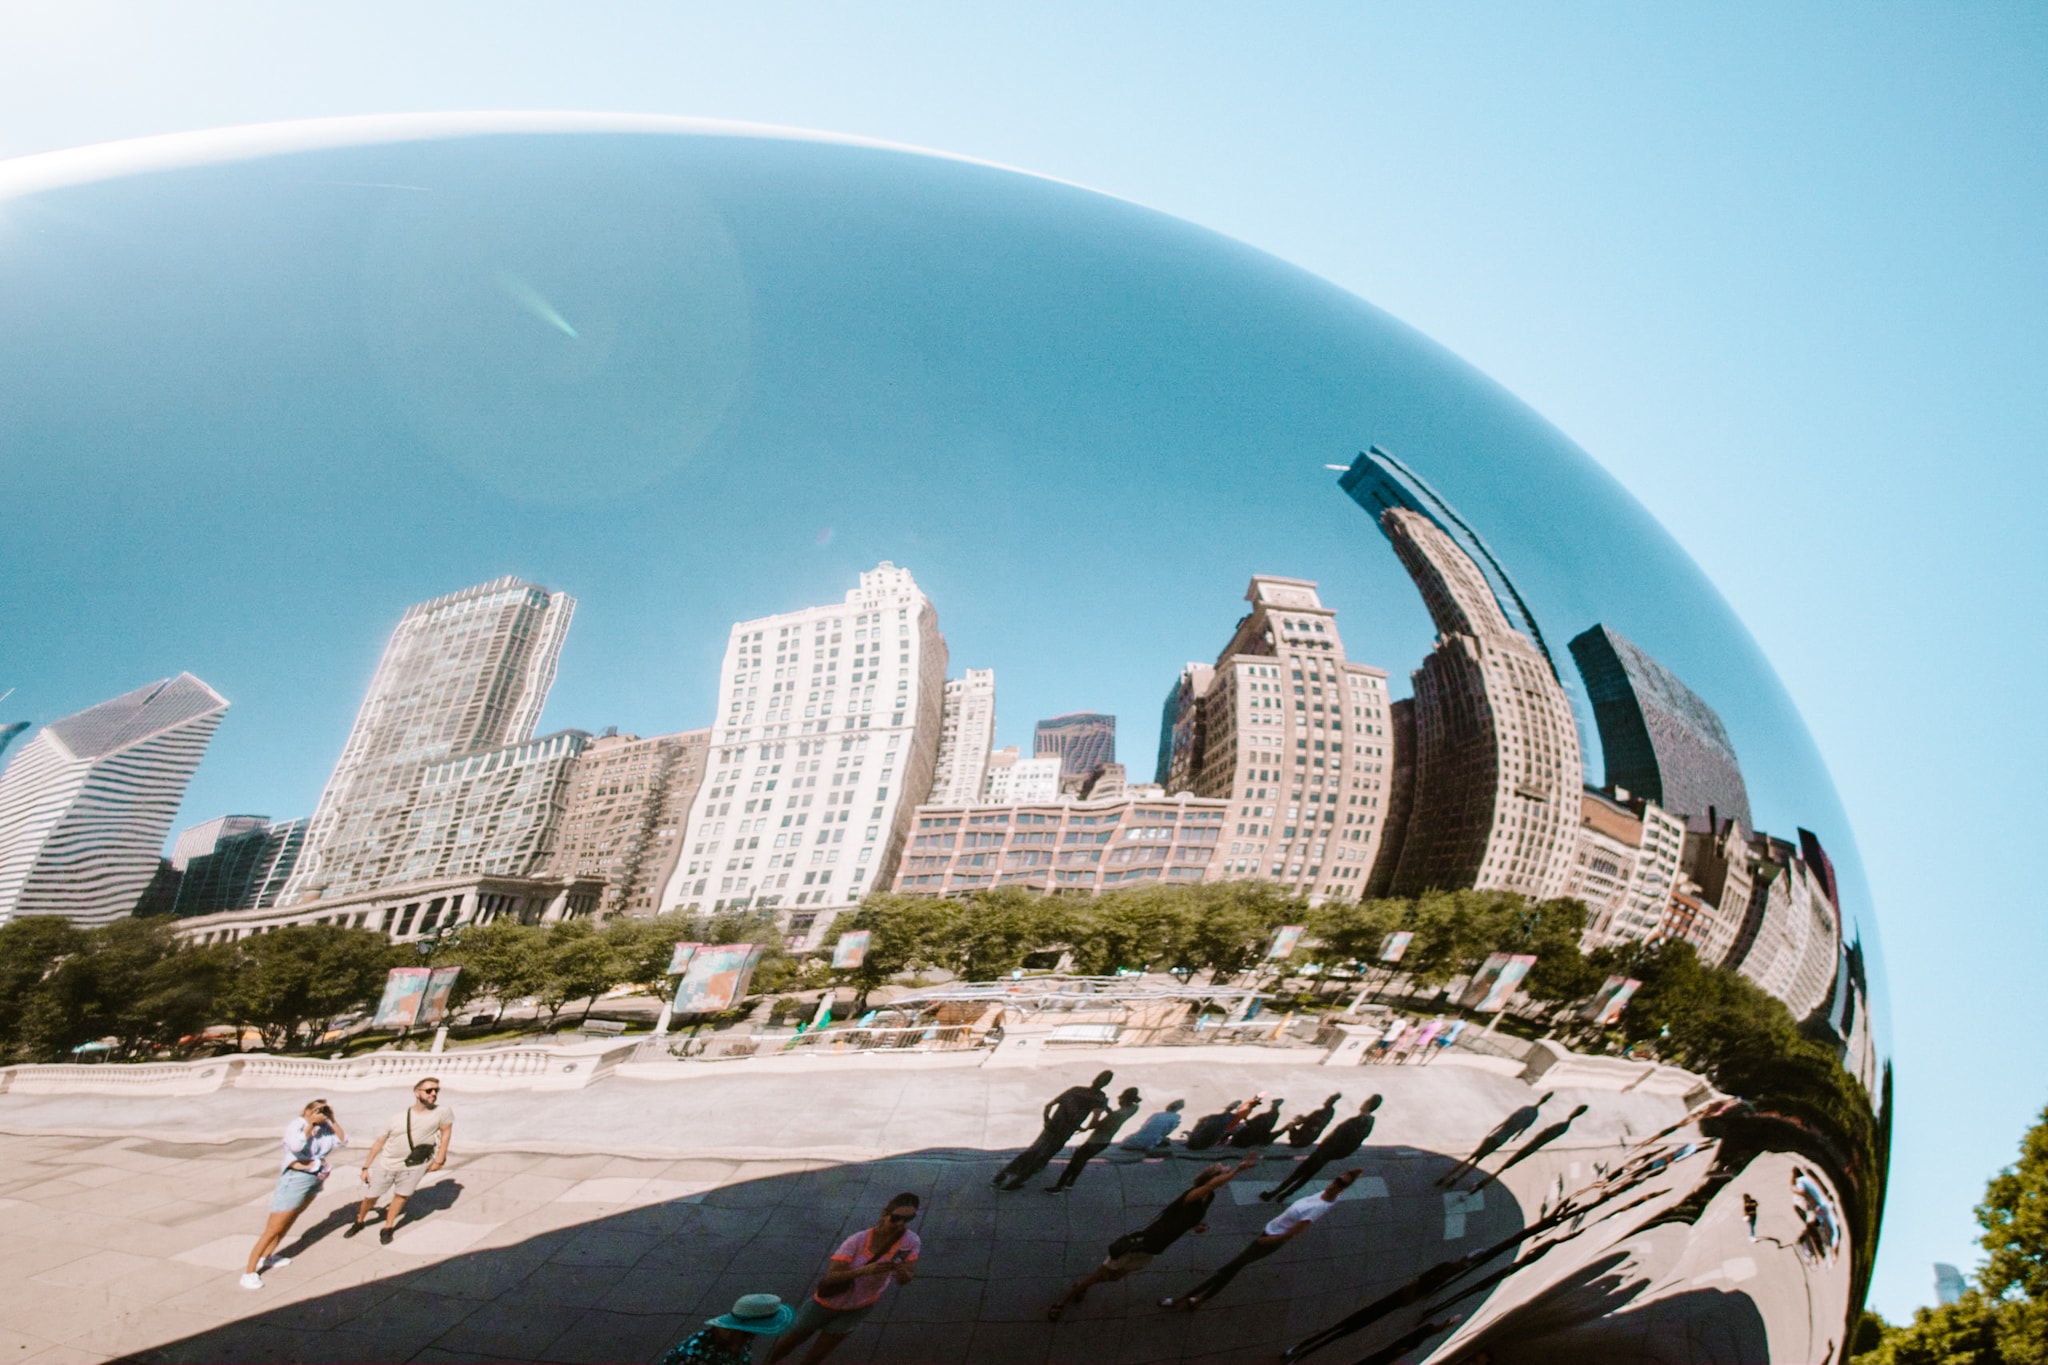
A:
398,1180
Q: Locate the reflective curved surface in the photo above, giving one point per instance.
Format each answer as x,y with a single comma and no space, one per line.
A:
1467,790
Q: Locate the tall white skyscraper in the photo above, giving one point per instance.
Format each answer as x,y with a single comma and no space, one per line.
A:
85,805
967,731
826,737
462,674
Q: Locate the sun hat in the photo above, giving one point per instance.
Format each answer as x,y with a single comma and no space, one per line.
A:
762,1314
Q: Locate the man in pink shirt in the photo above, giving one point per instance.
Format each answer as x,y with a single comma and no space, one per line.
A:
860,1270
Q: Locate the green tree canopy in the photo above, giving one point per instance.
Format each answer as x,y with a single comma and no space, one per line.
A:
286,978
2003,1320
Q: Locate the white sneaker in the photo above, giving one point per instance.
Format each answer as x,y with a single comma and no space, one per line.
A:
252,1280
273,1262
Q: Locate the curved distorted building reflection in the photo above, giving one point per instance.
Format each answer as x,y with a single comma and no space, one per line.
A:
1526,883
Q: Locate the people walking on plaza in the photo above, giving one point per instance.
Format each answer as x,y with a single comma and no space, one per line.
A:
308,1139
1504,1132
1153,1135
1544,1137
1445,1039
412,1146
1096,1138
1395,1028
1211,1129
1136,1250
728,1339
1341,1141
1285,1226
1416,1044
1303,1129
1064,1114
1257,1130
864,1265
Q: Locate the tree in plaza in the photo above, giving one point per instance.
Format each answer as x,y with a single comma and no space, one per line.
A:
503,960
289,977
579,965
1342,933
31,948
2003,1319
905,934
995,929
1232,924
1143,928
132,980
1550,930
1451,934
2014,1216
645,946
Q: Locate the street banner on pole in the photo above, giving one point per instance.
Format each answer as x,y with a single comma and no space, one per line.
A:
1495,981
1613,998
434,999
680,962
1284,941
1395,945
404,988
851,950
717,978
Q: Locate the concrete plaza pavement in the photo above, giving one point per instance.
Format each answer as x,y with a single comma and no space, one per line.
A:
605,1224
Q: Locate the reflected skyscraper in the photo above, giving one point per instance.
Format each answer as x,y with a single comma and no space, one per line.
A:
244,868
462,674
1379,483
85,805
1496,778
1082,741
622,822
1294,736
1659,739
966,735
490,814
827,733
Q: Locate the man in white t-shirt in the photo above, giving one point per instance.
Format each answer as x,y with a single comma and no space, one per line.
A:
1291,1223
410,1147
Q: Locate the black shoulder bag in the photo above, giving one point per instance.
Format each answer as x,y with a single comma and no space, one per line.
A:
419,1153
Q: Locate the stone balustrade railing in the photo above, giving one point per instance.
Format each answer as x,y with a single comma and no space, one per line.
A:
482,1069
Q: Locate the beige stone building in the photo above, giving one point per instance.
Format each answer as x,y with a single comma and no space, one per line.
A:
1495,804
1625,867
1790,943
1063,845
622,824
411,912
1294,737
1711,902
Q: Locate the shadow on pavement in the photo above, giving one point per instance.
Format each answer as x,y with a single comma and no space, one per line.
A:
430,1199
626,1286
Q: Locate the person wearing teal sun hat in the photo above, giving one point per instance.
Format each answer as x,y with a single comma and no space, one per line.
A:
728,1339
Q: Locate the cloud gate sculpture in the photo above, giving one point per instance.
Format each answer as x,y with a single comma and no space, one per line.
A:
1465,875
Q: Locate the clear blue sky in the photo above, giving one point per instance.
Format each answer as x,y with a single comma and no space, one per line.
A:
1780,268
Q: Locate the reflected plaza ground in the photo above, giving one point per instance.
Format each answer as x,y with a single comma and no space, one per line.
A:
606,1224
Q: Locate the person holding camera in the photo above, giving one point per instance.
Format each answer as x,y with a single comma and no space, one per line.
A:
864,1265
413,1145
308,1139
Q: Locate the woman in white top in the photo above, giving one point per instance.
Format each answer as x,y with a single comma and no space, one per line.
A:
308,1139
